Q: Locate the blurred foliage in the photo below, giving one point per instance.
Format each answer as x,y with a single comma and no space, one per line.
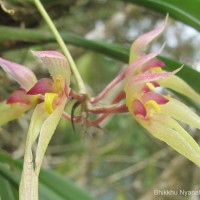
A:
121,160
187,11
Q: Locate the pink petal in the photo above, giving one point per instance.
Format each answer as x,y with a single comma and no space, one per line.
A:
131,69
56,63
154,96
42,86
149,77
138,82
138,108
152,63
141,43
19,96
24,76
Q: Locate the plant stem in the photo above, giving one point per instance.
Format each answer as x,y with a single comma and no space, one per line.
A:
60,41
101,95
110,110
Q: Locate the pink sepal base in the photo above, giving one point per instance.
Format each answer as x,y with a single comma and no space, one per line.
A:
41,87
19,96
138,108
155,97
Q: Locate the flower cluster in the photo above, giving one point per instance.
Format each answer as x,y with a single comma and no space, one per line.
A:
49,97
51,91
160,114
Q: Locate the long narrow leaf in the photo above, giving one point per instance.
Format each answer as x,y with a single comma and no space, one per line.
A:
52,185
64,187
186,11
115,51
5,190
42,36
9,175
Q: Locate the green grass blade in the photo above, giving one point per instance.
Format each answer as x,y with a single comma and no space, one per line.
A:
6,192
32,36
186,11
115,51
62,186
52,185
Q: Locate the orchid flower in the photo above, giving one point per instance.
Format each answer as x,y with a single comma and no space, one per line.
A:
50,97
160,114
18,102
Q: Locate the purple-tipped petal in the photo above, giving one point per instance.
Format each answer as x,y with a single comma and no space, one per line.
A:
159,99
24,76
42,86
56,63
19,96
141,43
138,108
131,69
149,77
155,62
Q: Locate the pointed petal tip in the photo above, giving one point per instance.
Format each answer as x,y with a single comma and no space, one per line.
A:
177,70
140,44
141,61
166,19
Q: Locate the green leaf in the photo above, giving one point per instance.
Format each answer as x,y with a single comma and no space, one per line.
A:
116,51
186,11
11,176
43,36
47,193
65,188
187,73
5,189
52,185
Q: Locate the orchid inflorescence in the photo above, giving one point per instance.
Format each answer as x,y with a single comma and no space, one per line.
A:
159,114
